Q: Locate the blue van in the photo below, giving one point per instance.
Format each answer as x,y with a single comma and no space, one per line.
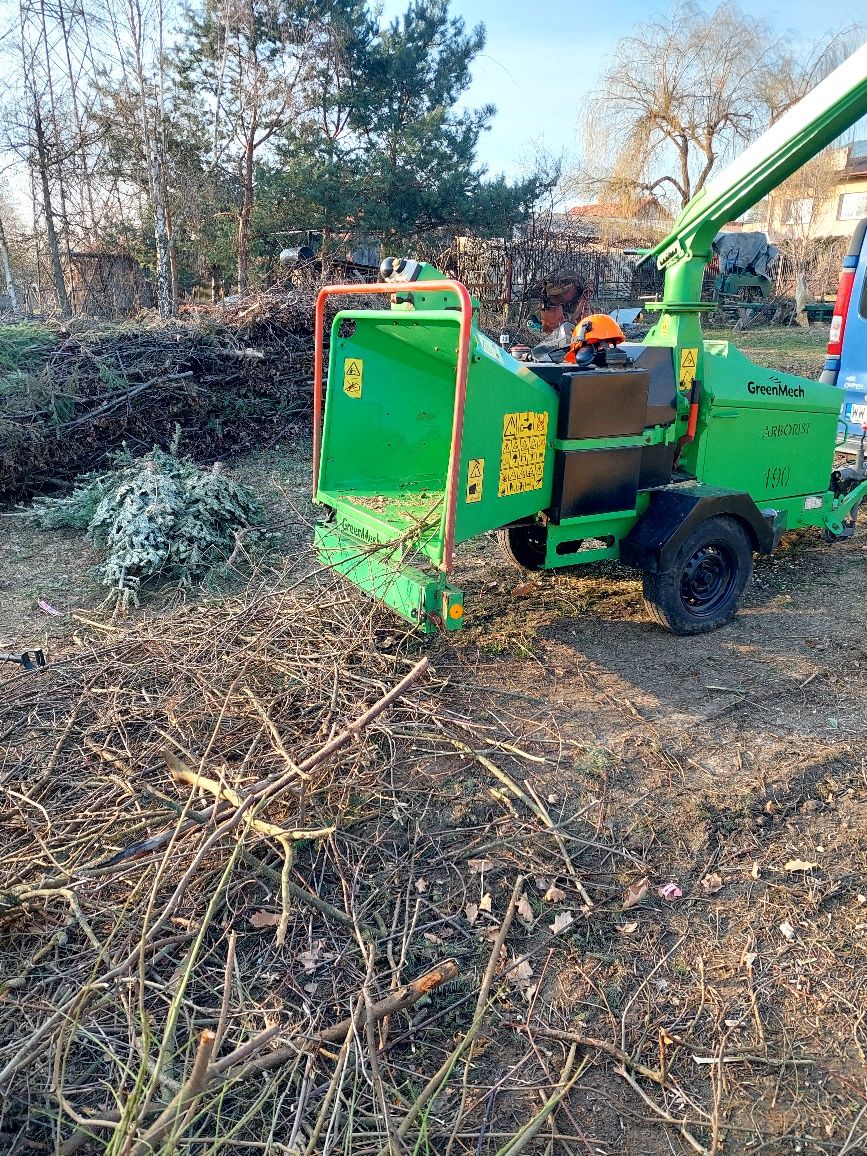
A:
846,361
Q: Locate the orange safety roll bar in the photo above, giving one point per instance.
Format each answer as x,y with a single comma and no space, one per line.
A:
463,365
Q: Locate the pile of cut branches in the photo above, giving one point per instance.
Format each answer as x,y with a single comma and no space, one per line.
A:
71,396
249,890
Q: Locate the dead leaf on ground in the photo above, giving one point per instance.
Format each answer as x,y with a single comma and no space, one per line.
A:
628,928
635,892
485,902
554,895
561,921
421,885
712,883
799,865
524,909
477,866
542,882
787,930
520,974
260,919
525,589
472,913
315,956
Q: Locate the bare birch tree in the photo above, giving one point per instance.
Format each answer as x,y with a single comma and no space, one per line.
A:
138,32
6,266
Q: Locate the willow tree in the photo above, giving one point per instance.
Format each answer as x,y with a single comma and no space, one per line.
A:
678,94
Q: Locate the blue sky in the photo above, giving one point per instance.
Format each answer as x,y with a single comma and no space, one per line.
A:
542,58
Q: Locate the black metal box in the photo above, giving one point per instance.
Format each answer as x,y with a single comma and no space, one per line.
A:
594,481
599,403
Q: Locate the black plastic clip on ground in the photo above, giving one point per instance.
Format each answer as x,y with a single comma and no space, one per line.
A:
30,659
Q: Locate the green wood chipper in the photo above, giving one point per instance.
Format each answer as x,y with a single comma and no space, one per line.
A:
682,460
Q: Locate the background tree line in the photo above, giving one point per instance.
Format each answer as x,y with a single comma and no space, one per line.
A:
204,139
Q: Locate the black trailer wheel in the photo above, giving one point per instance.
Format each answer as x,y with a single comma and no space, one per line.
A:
524,545
702,588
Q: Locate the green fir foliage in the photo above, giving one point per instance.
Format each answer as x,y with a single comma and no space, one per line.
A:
23,347
158,515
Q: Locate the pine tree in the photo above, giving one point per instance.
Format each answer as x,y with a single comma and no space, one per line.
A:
420,170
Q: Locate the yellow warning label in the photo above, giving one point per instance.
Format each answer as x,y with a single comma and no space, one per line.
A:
475,479
353,374
688,364
522,464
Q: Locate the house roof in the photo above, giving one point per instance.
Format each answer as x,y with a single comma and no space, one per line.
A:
649,207
856,160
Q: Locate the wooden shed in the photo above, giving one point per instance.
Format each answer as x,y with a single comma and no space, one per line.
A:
106,284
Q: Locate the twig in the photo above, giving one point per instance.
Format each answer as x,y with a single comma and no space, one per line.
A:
532,1128
432,1087
695,1144
600,1045
183,1103
221,791
395,1001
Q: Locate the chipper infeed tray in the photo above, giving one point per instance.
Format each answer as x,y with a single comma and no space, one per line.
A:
431,435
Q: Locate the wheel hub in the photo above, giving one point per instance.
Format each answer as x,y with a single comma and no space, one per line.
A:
707,579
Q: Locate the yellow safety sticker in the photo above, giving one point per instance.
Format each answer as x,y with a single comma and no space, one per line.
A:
688,365
475,479
525,442
353,374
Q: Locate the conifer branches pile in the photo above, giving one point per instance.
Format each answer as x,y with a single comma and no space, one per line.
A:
158,515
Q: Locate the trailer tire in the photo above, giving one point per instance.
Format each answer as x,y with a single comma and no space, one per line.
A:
702,588
524,545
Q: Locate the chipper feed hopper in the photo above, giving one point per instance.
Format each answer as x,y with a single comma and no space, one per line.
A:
682,461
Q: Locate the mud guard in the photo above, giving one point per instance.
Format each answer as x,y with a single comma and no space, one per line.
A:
675,510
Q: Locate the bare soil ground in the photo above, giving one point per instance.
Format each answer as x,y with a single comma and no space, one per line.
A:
736,756
730,1016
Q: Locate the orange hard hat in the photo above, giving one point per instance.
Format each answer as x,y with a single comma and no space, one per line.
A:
596,328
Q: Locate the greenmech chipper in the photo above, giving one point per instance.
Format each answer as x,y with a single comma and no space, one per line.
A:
677,456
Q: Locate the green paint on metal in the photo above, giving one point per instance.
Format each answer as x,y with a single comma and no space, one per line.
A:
385,454
594,538
386,575
655,436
